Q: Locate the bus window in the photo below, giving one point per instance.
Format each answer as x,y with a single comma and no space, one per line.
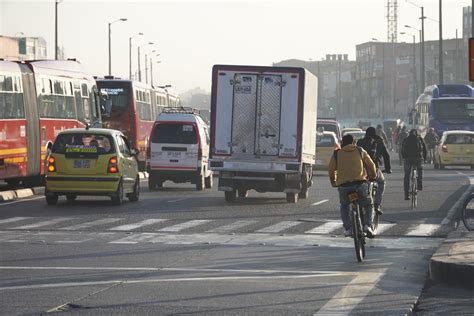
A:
118,96
144,111
93,105
84,91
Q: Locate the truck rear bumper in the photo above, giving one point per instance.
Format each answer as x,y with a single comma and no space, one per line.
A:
255,166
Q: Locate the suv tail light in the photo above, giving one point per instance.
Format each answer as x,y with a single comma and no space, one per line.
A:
444,148
51,164
199,153
148,152
113,165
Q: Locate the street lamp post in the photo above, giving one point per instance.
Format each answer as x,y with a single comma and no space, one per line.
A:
440,64
146,65
139,68
56,2
383,72
151,68
130,54
422,57
413,66
110,43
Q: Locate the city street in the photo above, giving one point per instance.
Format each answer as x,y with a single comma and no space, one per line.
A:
179,251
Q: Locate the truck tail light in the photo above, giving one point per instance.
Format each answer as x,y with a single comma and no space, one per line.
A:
113,165
51,164
444,148
148,152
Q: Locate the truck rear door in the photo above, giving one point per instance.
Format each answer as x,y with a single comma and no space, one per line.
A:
256,114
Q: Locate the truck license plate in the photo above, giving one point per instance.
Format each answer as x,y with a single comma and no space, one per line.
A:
82,163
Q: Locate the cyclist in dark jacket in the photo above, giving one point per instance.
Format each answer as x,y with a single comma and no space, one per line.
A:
400,138
375,147
413,153
431,139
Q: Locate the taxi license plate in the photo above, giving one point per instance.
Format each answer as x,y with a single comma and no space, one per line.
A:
82,163
174,154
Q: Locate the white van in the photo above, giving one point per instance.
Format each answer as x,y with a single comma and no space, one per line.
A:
178,149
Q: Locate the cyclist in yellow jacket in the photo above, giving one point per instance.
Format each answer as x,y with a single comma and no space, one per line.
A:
349,170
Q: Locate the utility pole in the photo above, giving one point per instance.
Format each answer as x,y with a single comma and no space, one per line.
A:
56,2
422,79
139,69
441,77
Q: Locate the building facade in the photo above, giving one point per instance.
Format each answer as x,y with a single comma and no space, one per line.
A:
22,48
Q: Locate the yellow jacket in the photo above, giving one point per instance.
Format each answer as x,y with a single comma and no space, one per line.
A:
350,166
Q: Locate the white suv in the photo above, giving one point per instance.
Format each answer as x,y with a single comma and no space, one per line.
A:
178,149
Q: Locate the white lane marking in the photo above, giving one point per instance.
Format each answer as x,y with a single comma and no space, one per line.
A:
237,278
191,269
69,241
424,230
383,227
44,223
326,228
231,227
102,221
178,200
185,225
320,202
146,222
281,226
351,295
134,239
22,200
455,207
13,219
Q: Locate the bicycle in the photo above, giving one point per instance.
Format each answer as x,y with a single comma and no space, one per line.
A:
357,228
468,212
372,191
413,187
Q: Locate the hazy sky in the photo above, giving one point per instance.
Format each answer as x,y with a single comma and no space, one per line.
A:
192,35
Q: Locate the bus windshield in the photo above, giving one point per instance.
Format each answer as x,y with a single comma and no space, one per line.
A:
454,109
118,95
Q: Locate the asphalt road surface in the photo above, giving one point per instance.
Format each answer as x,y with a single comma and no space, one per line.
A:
179,251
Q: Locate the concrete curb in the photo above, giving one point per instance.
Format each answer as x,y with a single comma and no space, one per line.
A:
20,193
453,262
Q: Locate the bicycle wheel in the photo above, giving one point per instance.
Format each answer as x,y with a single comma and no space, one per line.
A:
357,233
468,212
413,189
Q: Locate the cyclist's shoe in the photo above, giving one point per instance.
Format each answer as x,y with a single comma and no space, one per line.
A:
369,231
348,232
406,196
377,209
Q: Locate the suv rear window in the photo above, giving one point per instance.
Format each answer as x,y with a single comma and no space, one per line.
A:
174,134
325,141
84,143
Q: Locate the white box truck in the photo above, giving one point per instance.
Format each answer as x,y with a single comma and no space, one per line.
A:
263,129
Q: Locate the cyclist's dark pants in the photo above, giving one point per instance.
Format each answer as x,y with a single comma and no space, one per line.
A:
408,163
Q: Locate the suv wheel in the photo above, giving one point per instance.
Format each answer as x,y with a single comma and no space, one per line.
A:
200,185
292,198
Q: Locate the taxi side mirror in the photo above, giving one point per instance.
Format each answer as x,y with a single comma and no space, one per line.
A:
134,151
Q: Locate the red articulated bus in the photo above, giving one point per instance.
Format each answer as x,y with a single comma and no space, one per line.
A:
134,108
38,99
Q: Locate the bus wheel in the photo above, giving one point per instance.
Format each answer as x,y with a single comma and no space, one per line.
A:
52,199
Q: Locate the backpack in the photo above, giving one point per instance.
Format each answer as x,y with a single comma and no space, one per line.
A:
412,147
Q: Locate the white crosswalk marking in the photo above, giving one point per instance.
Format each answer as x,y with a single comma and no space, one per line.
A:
424,230
44,223
281,226
134,239
182,226
326,228
13,219
146,222
102,221
231,227
383,227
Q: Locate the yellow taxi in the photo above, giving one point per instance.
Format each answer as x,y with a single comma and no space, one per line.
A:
92,161
326,143
455,148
